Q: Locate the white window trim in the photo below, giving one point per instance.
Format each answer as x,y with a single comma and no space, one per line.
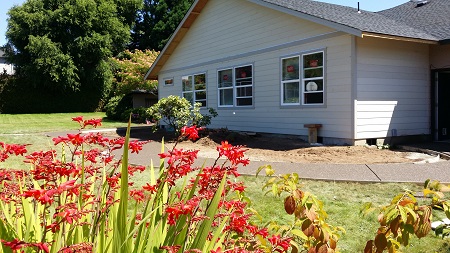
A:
234,87
302,80
166,79
194,91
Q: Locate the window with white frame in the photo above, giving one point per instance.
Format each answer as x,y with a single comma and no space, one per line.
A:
236,86
302,81
194,88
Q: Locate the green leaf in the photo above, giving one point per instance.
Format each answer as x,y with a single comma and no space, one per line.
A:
120,241
299,233
204,228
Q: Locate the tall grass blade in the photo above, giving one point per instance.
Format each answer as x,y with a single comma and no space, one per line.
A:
205,227
120,243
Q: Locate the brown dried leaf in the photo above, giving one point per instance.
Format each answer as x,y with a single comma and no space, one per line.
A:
369,247
322,248
308,228
289,204
380,242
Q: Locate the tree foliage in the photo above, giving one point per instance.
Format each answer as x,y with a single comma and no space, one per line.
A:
65,45
131,68
157,21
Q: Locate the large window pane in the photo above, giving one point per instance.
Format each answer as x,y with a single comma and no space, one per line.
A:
291,93
226,97
290,69
225,78
314,98
186,82
313,60
189,96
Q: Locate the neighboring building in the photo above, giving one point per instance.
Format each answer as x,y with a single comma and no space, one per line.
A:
275,65
143,98
4,65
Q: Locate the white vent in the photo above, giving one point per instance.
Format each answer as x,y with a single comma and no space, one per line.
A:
419,2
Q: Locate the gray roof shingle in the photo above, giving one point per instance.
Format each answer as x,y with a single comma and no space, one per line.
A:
433,17
386,22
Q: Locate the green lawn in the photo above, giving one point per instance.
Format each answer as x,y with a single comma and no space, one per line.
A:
37,123
342,202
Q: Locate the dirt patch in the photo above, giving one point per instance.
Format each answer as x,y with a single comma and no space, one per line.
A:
273,148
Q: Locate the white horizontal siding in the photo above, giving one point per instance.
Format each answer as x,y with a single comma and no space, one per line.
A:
228,28
232,27
393,88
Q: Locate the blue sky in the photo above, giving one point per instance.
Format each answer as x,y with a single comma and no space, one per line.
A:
370,5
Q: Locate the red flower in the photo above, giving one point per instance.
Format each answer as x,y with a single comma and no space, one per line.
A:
78,119
235,154
171,249
190,132
137,195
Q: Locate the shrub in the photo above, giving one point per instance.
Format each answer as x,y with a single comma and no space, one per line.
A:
177,112
117,106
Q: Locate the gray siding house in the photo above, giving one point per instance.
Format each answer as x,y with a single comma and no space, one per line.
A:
273,66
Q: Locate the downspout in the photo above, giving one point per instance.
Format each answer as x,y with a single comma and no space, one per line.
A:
354,89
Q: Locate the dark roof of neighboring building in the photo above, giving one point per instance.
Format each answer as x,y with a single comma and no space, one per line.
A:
429,23
432,17
2,53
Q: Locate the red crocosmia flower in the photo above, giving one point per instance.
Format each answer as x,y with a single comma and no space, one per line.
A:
116,143
16,245
171,249
9,149
59,139
278,242
218,250
150,188
190,132
92,122
78,119
76,139
84,247
137,195
235,154
135,146
132,169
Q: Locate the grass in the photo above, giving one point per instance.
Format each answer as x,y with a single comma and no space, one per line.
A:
342,200
38,123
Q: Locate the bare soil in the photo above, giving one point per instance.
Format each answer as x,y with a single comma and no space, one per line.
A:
273,148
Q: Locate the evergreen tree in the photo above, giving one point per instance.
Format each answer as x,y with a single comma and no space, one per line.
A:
157,21
65,45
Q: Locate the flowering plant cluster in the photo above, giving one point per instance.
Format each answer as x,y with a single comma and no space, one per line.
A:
81,200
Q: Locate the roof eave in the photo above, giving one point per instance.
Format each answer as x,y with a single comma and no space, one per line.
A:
444,42
321,21
175,39
393,37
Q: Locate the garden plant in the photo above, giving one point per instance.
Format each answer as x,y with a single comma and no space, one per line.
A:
82,199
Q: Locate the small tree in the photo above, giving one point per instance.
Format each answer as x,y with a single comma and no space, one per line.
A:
178,112
130,71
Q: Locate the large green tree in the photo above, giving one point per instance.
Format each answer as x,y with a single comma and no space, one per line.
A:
157,21
65,45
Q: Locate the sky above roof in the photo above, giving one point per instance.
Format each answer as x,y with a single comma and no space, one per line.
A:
369,5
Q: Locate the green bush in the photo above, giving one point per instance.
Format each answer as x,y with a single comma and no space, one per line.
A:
177,112
117,106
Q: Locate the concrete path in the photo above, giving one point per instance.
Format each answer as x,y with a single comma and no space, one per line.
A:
393,172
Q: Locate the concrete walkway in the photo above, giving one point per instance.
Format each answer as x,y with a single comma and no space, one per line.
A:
392,172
